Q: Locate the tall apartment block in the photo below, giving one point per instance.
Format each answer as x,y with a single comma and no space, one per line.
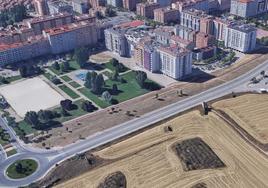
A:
147,9
115,3
248,8
41,7
130,4
175,62
116,41
166,15
241,37
97,3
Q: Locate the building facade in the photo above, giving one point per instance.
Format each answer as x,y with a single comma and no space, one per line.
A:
241,38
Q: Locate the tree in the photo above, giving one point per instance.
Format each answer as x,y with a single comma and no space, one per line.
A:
81,56
31,117
30,70
3,80
55,80
23,71
19,168
107,96
99,15
115,89
98,83
115,75
65,66
114,62
45,115
88,82
88,106
67,104
64,112
141,78
109,12
56,65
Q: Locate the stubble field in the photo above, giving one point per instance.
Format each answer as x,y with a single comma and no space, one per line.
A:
149,160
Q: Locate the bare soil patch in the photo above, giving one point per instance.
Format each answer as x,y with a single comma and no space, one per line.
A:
114,180
195,154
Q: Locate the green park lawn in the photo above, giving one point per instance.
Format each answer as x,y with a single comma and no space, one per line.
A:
93,97
69,91
28,129
75,84
48,75
73,113
29,166
11,152
14,78
66,78
73,66
128,90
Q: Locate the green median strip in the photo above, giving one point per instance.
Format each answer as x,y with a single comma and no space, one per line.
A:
69,91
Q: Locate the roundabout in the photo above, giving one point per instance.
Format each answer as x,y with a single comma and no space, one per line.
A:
21,168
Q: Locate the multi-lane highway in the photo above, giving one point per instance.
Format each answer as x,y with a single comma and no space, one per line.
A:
48,159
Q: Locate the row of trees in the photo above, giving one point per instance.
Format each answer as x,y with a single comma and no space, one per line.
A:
44,119
95,82
27,71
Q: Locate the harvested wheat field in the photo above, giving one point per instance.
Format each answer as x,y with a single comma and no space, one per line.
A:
149,160
250,112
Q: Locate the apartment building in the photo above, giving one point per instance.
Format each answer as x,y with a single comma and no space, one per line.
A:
248,8
34,47
41,7
80,6
175,62
130,4
181,5
166,15
56,7
196,20
115,3
97,3
69,37
241,37
46,22
116,41
147,9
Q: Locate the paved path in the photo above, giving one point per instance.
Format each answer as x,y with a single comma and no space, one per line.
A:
48,159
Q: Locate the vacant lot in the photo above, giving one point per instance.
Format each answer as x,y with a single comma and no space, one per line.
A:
149,160
250,112
30,95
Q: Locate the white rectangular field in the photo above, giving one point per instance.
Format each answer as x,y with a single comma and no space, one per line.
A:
30,95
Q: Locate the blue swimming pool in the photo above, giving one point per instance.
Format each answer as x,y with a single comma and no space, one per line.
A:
81,76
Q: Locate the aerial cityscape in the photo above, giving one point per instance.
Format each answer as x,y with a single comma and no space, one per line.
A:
134,93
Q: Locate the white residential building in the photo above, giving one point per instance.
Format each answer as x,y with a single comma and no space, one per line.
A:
241,37
175,62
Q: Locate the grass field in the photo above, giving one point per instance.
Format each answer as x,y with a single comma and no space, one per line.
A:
11,152
73,66
127,90
148,159
66,78
69,91
75,84
250,111
28,167
96,99
73,114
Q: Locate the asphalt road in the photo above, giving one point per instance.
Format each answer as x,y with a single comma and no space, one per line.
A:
48,158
